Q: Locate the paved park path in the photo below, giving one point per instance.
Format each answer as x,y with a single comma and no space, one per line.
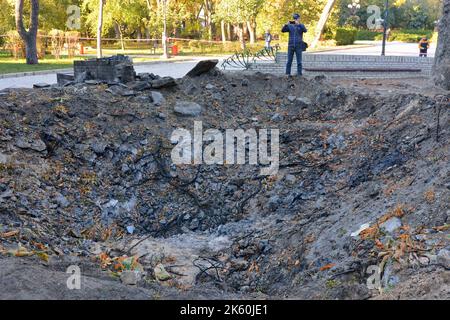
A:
374,48
178,69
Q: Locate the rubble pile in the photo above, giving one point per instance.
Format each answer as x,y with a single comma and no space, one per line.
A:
86,173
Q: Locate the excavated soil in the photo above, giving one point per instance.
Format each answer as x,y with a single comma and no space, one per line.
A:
86,179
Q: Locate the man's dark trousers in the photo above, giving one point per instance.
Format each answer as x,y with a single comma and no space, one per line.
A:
297,50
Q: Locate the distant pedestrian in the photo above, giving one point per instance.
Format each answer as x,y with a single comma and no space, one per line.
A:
296,44
268,38
424,45
155,46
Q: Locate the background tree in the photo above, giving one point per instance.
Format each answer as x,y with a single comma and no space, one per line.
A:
101,5
442,60
322,22
30,36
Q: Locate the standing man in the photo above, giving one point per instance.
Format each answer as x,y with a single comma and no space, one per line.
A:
268,38
296,44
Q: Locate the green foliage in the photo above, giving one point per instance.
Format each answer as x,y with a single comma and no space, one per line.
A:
434,38
14,44
407,35
368,35
345,36
201,19
6,16
352,21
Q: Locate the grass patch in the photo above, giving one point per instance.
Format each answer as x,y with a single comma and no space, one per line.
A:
10,65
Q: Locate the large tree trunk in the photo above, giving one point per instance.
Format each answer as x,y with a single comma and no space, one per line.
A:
119,29
208,9
222,29
322,22
441,69
100,28
229,33
30,36
240,32
251,25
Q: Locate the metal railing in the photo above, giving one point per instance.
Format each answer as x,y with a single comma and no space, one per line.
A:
244,59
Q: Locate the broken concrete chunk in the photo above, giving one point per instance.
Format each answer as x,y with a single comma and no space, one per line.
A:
92,82
130,278
120,91
443,258
277,117
62,201
99,147
64,79
202,67
157,98
141,86
303,102
36,145
164,82
188,109
80,77
3,158
41,85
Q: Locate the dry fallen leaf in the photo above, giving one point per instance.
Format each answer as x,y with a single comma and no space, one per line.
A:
327,267
42,255
9,234
21,252
379,244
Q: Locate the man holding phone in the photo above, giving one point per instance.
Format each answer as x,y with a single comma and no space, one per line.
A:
296,44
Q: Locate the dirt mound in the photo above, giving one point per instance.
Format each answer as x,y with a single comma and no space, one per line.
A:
86,173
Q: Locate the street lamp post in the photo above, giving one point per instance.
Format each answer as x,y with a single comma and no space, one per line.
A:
164,34
385,27
354,7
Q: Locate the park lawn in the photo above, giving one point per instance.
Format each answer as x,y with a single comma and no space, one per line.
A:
10,65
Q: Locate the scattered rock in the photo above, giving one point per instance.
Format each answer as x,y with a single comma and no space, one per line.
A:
64,79
141,86
165,82
303,102
92,82
41,85
188,109
36,144
162,116
130,277
277,117
157,98
443,258
202,67
99,147
62,201
3,158
120,91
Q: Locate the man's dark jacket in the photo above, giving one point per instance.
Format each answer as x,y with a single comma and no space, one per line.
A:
295,33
